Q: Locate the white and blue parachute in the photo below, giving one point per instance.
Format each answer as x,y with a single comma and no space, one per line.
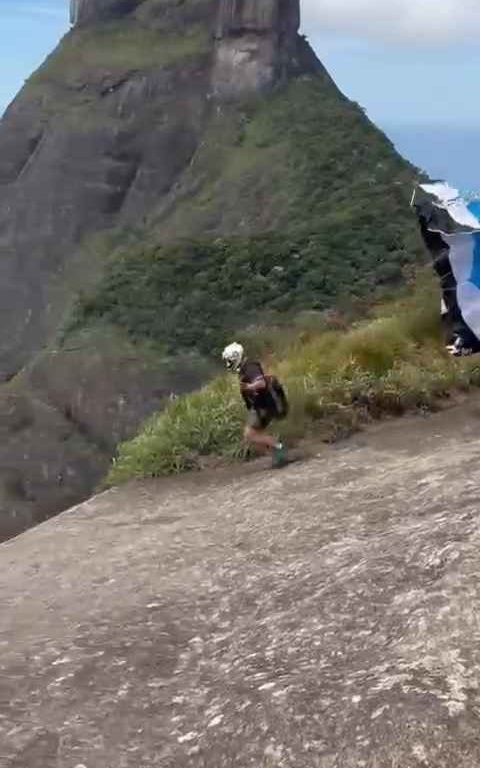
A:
450,225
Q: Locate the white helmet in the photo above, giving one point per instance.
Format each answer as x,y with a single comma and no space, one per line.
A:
233,356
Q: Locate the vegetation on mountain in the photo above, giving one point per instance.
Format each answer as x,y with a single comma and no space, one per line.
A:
308,206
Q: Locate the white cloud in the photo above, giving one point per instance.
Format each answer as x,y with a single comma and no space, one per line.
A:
417,22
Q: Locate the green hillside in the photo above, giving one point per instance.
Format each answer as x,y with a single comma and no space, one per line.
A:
301,202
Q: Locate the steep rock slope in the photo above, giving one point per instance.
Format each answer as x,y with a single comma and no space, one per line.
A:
153,121
325,617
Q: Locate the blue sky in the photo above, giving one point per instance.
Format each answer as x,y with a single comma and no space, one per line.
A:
29,29
413,64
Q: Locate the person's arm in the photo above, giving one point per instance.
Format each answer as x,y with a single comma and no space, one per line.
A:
254,379
255,386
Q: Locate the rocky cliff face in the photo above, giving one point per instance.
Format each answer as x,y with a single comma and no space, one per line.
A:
91,11
150,115
257,45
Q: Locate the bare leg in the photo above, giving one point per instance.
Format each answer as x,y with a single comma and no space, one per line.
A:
259,439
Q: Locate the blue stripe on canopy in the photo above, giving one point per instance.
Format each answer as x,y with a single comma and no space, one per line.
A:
475,274
474,207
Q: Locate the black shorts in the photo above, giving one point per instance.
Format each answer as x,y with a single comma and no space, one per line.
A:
259,419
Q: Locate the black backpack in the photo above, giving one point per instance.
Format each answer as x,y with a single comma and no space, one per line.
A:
279,397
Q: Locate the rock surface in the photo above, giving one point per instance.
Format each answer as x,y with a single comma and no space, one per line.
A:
322,617
91,11
257,46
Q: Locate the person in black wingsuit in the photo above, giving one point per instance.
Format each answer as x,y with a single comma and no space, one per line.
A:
460,339
264,399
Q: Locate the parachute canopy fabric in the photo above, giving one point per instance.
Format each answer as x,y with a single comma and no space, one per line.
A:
451,230
448,212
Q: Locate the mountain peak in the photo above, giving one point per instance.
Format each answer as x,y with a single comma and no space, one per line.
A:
257,45
257,16
256,42
88,11
233,15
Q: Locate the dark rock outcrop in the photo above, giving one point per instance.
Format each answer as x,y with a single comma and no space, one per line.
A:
257,45
90,11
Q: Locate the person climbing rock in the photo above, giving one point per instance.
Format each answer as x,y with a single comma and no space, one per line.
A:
264,399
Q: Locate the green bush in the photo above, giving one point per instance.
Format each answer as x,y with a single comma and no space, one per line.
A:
233,283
